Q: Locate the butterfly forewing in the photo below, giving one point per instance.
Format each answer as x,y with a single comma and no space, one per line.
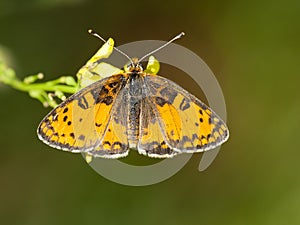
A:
187,124
80,123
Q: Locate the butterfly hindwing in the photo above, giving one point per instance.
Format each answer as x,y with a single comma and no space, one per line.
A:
151,140
114,143
81,123
187,124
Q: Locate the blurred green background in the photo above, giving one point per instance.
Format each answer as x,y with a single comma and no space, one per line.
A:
253,48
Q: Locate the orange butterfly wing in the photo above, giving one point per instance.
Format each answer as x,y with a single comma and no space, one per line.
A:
184,122
89,120
152,141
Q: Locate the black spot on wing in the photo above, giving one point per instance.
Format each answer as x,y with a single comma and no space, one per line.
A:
194,137
104,91
169,94
65,110
82,102
81,137
185,104
118,145
208,136
160,101
106,143
108,100
55,117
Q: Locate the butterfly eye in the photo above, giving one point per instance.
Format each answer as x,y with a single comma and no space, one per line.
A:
139,67
128,67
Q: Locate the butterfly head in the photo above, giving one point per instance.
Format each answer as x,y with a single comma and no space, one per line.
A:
134,66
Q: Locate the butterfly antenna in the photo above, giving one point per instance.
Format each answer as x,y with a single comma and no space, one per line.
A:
164,45
92,32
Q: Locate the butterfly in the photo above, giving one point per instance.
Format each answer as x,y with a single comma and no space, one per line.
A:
133,110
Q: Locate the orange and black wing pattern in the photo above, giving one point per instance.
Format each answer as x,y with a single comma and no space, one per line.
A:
93,120
174,121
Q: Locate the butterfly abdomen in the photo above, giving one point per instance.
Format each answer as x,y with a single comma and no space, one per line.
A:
133,122
134,100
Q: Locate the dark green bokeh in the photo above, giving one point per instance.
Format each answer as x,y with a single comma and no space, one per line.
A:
252,47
